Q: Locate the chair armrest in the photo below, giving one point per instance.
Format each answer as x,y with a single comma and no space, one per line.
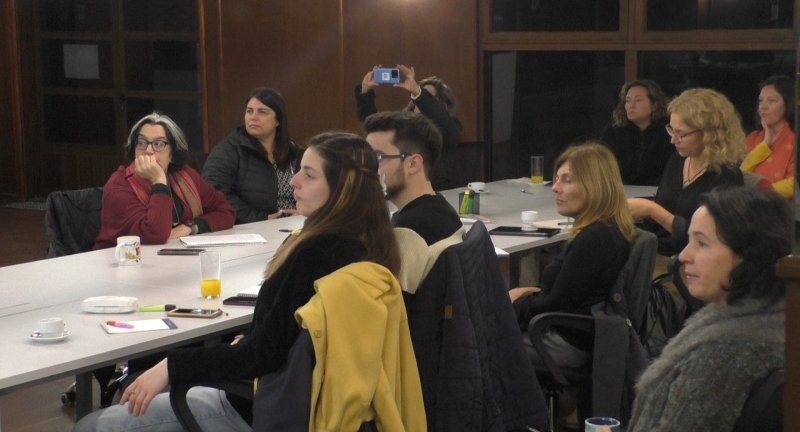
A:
177,398
539,325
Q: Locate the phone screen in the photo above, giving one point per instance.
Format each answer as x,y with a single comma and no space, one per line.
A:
196,313
168,251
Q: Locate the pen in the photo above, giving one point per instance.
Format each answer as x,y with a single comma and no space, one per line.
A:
119,324
285,230
157,308
565,223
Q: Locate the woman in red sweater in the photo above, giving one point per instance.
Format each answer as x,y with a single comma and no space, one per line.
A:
158,197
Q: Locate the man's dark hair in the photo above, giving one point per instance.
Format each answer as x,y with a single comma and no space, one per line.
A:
413,133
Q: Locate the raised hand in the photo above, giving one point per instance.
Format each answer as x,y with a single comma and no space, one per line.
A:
147,167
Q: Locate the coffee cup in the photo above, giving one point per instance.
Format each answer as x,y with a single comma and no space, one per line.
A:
529,218
128,251
477,186
602,424
50,327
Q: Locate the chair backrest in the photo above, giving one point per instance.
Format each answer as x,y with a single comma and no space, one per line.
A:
474,371
72,220
635,277
763,409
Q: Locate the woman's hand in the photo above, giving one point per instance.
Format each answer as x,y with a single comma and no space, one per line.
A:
771,132
408,82
180,231
152,382
368,82
146,167
236,339
282,213
517,293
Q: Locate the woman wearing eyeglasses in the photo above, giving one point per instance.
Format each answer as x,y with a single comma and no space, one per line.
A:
709,141
158,197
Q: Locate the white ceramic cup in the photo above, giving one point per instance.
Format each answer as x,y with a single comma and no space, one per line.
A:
477,186
128,251
602,424
529,218
50,326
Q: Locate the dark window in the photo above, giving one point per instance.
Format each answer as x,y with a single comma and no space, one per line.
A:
555,15
75,15
543,101
724,15
185,113
79,120
162,66
160,16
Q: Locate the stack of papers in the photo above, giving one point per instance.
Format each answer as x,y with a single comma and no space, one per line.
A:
222,240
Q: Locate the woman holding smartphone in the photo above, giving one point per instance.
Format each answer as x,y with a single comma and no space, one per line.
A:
338,190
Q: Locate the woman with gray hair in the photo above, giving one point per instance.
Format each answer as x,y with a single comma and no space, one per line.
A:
157,196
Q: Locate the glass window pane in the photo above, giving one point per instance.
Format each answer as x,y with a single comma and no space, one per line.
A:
160,16
555,15
79,120
75,15
162,65
543,101
185,113
727,15
76,64
736,74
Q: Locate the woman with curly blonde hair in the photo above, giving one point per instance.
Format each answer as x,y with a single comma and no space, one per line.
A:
709,141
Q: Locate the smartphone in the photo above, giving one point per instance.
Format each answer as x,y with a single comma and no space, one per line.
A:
195,313
168,251
386,75
517,231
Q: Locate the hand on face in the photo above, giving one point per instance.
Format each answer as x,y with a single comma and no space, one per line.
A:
146,166
772,131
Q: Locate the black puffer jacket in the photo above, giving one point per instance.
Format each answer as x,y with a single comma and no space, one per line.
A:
238,167
474,372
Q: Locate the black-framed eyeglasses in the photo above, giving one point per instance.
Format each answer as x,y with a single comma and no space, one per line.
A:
401,156
158,145
671,132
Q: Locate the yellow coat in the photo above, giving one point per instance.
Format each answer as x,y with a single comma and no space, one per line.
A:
365,365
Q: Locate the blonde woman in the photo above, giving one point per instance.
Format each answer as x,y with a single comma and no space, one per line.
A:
709,141
588,187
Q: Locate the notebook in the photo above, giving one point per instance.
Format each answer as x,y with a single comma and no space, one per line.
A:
223,240
131,326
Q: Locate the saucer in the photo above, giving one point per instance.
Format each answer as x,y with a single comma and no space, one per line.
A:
37,337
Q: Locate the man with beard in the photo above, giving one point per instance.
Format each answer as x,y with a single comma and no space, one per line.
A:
408,145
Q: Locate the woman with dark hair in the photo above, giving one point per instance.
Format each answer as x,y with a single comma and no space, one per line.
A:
254,164
430,97
771,148
586,186
707,133
158,197
338,190
636,134
705,373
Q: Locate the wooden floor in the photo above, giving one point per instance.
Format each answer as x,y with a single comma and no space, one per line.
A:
37,408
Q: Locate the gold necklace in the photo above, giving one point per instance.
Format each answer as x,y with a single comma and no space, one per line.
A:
689,180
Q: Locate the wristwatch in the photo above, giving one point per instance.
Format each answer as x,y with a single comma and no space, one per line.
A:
193,226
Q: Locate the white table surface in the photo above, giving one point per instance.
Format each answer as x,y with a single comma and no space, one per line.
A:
504,200
55,288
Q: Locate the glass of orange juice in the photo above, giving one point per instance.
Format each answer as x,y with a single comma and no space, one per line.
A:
211,270
537,170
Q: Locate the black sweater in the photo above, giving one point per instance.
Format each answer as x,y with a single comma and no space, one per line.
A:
641,154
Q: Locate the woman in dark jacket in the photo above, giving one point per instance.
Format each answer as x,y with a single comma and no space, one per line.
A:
636,134
254,164
338,190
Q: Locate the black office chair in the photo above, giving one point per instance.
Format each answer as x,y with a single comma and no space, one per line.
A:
763,409
613,363
72,220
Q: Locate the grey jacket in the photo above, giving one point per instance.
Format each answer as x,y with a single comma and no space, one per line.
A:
704,375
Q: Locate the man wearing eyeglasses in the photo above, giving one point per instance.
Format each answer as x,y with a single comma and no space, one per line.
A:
408,145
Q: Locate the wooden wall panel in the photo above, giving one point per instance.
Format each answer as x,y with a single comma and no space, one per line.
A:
8,120
316,52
